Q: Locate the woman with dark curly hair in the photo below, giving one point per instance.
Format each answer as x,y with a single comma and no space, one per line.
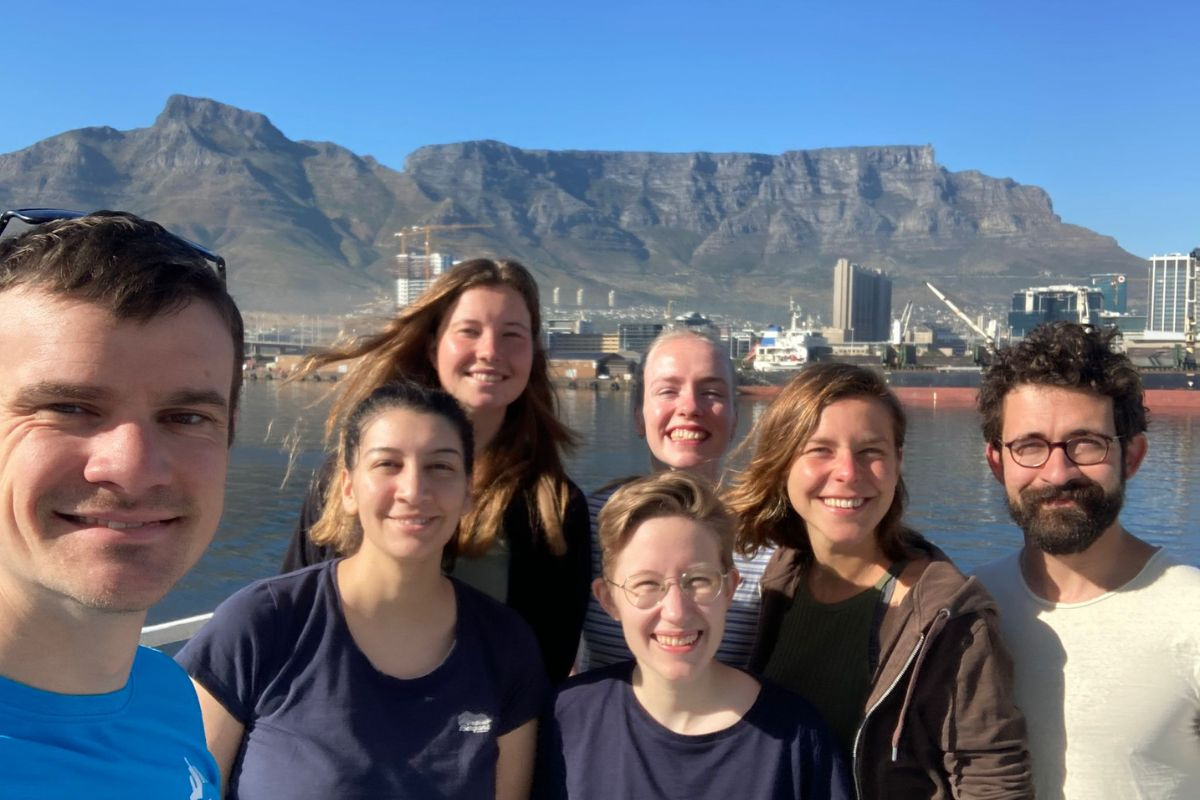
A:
861,615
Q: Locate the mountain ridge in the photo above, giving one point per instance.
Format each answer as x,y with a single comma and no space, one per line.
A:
307,225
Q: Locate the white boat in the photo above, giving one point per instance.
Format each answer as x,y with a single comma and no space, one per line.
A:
786,350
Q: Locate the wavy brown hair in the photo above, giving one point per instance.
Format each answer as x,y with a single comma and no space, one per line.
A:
758,494
525,455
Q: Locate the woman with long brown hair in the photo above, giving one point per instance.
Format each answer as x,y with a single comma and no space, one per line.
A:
477,334
860,614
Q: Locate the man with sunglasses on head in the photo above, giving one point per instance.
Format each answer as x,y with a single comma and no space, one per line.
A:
1104,628
121,352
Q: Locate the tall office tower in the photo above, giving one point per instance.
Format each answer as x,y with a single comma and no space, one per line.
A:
862,302
1112,286
1173,303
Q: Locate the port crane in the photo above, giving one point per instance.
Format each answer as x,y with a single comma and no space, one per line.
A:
900,328
988,341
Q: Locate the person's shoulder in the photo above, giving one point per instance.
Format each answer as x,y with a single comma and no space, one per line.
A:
999,571
155,671
583,692
785,716
783,704
268,606
296,588
1167,574
498,623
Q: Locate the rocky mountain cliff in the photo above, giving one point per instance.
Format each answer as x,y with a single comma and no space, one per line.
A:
308,226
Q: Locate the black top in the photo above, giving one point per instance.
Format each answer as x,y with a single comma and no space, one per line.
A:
549,591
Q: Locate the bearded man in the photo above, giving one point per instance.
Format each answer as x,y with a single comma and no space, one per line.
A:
1104,627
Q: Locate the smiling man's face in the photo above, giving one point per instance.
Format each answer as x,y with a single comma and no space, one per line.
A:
113,449
1062,507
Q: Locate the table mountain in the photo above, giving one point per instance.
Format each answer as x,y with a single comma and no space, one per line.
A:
308,226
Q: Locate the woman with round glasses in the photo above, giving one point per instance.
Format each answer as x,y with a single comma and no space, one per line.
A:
675,722
375,675
476,333
899,652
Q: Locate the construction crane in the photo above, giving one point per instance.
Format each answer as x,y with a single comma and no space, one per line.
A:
427,230
988,341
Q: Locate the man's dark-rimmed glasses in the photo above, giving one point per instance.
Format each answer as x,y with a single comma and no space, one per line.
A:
1084,450
40,216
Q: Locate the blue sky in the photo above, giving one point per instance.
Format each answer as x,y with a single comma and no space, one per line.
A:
1097,102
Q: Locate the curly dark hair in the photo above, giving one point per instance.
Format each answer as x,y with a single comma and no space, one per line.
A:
1068,355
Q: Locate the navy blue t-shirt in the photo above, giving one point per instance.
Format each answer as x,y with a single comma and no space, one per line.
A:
601,743
322,722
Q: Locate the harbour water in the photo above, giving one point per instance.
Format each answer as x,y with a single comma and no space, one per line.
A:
953,498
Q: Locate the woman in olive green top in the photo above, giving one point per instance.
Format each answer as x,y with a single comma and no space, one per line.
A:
861,615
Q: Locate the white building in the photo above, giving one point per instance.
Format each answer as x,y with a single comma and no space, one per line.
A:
1173,306
414,274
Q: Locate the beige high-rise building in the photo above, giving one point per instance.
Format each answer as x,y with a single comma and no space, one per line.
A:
862,302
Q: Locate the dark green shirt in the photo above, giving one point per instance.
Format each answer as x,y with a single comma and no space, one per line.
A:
823,653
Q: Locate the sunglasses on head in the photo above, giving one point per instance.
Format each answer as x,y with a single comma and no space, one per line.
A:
40,216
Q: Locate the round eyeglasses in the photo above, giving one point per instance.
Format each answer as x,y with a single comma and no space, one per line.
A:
1083,450
702,583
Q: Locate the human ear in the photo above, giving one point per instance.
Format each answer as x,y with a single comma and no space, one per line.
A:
995,460
601,590
733,580
1133,453
349,503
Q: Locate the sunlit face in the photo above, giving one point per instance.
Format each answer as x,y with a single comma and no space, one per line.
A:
113,449
688,414
1062,507
485,350
677,639
409,486
844,478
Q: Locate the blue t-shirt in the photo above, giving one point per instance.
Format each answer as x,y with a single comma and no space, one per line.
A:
322,722
601,743
145,740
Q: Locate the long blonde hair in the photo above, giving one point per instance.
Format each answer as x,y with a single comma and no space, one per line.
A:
524,456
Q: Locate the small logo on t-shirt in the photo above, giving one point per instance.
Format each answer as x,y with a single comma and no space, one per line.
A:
474,723
201,789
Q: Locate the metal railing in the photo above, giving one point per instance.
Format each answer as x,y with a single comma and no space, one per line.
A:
178,630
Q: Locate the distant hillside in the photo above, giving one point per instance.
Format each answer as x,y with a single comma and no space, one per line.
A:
307,226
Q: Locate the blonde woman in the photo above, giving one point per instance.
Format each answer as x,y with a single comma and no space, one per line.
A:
686,410
675,722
